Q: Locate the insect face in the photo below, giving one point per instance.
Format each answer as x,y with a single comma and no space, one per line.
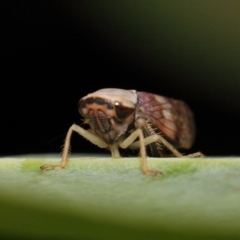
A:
109,117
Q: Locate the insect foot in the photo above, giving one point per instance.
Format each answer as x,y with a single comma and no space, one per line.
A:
195,155
153,173
50,167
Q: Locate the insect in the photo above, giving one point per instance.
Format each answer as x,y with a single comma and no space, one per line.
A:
136,120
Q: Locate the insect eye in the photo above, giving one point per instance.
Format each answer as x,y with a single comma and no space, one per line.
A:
81,105
122,111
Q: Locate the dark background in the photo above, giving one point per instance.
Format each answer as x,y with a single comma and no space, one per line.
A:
55,52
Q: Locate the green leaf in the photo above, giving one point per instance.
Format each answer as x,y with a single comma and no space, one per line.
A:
105,198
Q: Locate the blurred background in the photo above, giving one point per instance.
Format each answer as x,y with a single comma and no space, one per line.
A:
55,52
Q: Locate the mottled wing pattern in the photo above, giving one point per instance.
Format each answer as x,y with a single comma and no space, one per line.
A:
172,118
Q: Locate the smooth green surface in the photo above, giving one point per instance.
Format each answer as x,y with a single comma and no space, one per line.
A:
104,198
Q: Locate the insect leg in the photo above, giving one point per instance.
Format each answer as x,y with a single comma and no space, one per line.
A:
128,141
114,151
86,134
155,138
195,155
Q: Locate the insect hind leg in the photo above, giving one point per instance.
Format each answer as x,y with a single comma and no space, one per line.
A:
155,138
195,155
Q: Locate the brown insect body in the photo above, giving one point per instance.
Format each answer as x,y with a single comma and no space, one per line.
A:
154,114
169,117
128,119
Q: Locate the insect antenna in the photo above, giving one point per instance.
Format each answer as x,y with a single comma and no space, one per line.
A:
84,121
55,138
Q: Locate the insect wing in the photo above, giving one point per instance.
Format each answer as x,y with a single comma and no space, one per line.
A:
168,116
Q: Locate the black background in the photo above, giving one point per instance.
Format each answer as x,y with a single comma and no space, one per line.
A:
53,54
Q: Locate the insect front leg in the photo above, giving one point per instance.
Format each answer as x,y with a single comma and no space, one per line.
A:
128,141
86,134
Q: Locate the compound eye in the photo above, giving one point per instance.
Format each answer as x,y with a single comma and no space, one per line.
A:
122,111
81,105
